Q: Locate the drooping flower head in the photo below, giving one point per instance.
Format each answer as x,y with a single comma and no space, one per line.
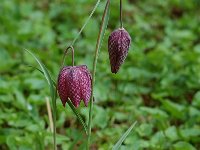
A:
118,45
74,83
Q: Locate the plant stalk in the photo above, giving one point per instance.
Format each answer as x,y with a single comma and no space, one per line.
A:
98,45
54,118
121,21
49,114
65,53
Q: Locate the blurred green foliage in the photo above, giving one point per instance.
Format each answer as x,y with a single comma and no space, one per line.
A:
158,85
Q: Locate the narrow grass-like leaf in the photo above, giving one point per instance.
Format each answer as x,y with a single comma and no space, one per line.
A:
77,115
123,137
35,68
54,83
103,27
86,22
52,91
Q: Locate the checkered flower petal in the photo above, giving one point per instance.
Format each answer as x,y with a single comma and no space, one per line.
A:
74,83
118,45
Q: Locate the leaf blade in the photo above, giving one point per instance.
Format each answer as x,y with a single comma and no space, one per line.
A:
54,82
123,137
52,92
78,116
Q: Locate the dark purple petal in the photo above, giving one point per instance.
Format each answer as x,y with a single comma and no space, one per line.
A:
74,83
85,83
74,87
118,46
62,86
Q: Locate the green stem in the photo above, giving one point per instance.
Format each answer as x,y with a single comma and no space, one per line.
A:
98,45
121,21
65,53
54,120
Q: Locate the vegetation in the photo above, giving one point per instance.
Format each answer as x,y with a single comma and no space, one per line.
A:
158,85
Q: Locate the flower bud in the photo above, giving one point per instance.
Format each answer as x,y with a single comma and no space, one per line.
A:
74,83
118,45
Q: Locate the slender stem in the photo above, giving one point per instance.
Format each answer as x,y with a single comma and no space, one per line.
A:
49,114
121,22
86,22
54,120
65,53
72,55
98,44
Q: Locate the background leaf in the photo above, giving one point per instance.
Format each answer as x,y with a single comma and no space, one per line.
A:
162,64
123,137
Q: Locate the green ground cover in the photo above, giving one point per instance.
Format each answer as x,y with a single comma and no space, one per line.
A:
158,85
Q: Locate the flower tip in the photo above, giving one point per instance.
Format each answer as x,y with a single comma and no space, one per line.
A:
64,104
114,70
86,104
76,105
